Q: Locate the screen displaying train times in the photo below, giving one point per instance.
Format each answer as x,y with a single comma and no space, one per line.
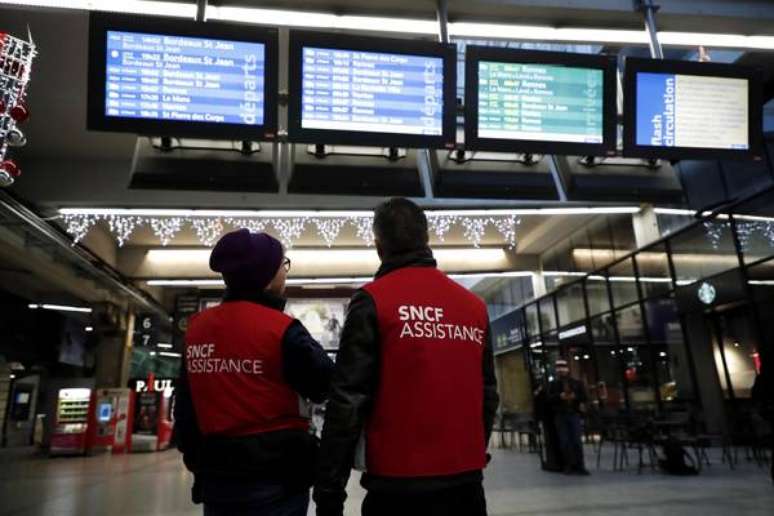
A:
353,90
675,110
541,102
184,79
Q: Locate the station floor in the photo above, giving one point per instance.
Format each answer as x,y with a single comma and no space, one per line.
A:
157,484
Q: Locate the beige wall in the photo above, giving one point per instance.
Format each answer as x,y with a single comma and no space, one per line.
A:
513,382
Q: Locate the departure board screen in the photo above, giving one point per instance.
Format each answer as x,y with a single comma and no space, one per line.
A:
676,110
364,91
540,102
184,79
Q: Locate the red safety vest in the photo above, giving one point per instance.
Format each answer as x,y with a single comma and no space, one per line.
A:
427,418
233,356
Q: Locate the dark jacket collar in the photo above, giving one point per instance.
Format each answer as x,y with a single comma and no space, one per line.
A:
263,298
422,258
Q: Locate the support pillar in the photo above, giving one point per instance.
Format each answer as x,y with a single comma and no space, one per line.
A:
645,224
114,349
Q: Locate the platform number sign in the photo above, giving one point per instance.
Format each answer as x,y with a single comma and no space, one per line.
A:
146,331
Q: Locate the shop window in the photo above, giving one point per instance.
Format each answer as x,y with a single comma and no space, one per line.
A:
630,326
736,353
547,313
596,293
673,372
755,227
569,303
603,332
703,251
537,360
638,373
623,283
653,266
756,239
609,389
532,320
581,363
514,382
551,353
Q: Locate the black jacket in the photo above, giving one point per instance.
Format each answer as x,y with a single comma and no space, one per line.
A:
281,457
354,384
559,385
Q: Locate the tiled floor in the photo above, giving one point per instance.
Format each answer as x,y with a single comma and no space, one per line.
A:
157,484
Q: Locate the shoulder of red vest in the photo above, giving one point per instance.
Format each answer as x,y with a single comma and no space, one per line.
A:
273,314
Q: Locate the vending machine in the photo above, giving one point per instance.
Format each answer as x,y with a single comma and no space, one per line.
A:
71,425
108,420
152,420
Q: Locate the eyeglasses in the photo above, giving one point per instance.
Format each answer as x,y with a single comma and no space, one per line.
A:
286,263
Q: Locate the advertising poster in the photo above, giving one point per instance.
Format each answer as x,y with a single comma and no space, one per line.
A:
146,413
324,318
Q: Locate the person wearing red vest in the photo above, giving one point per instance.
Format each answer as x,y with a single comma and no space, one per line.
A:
247,369
414,384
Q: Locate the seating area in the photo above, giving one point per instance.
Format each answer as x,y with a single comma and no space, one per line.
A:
621,441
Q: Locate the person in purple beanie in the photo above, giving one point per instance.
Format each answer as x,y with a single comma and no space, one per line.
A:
247,369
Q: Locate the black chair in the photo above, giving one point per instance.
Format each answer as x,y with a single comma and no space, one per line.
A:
505,426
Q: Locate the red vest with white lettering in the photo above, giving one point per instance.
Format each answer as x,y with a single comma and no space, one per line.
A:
427,418
234,364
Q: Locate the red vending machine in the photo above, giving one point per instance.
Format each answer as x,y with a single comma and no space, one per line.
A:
108,421
71,426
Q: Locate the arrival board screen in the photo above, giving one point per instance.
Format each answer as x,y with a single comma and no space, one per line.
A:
675,110
520,101
352,90
186,79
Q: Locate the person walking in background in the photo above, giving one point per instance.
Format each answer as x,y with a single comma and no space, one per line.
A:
567,398
246,364
415,379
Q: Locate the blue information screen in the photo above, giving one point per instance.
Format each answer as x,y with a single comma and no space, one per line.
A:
185,79
676,110
351,90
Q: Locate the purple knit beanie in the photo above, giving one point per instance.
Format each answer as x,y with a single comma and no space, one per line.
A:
247,261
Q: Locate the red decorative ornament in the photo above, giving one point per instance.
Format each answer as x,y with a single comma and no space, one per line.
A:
11,168
631,374
20,112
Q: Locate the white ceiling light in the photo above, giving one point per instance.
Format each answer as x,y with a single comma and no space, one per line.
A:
322,263
217,283
178,9
169,354
543,33
271,214
693,39
59,308
563,274
322,20
484,30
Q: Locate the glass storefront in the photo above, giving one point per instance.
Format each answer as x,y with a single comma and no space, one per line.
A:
629,329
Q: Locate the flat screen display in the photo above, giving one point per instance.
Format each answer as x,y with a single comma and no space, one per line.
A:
677,110
352,90
105,412
168,77
371,91
160,77
539,102
690,110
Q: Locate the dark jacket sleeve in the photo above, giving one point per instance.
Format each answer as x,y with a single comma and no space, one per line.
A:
491,398
355,379
305,365
187,432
